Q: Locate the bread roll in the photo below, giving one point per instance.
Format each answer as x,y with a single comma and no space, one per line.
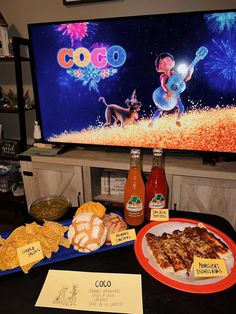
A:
92,207
87,232
114,223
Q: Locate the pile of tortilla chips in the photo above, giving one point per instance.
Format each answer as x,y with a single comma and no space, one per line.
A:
50,235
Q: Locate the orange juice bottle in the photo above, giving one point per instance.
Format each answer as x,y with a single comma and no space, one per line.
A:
134,198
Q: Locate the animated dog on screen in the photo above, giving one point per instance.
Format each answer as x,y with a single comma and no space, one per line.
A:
121,115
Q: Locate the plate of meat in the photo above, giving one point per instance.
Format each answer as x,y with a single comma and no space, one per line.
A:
166,250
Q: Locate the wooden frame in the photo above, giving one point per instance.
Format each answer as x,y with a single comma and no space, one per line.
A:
73,2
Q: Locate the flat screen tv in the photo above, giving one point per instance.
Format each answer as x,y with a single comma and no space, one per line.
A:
166,80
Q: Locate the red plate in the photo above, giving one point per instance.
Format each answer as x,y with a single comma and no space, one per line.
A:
204,285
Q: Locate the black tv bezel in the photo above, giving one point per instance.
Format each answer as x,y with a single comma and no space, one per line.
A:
208,156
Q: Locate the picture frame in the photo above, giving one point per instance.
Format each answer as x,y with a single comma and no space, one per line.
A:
74,2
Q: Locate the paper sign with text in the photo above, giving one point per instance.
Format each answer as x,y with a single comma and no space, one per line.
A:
88,291
159,214
209,267
123,236
30,253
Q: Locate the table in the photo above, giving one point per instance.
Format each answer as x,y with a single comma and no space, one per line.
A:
19,292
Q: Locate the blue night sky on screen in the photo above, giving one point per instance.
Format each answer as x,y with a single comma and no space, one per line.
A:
68,98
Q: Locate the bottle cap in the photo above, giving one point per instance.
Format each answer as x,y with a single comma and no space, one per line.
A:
157,151
135,152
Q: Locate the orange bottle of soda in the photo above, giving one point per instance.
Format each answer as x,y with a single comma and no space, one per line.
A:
156,186
134,194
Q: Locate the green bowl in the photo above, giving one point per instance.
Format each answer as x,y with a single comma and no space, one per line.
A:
51,208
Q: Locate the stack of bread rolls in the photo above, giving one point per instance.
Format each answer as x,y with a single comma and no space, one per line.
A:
91,227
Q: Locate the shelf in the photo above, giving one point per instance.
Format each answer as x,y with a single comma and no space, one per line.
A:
119,199
6,110
9,197
17,58
12,59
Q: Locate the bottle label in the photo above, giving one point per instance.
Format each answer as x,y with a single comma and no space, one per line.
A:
158,201
159,214
134,204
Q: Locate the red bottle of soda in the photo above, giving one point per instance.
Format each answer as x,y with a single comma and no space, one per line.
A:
156,186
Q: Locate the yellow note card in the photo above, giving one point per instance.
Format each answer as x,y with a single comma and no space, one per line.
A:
30,253
90,291
123,236
209,267
159,214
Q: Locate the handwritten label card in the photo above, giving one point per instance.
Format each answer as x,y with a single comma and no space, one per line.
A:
209,267
102,292
159,214
29,253
123,236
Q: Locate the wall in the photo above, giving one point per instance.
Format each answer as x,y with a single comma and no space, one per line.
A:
19,13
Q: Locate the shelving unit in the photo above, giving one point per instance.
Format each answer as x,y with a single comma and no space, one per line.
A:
13,206
18,43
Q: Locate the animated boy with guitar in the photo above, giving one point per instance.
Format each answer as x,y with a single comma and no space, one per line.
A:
166,97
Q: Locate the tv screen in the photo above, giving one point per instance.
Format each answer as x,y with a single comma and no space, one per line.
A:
165,80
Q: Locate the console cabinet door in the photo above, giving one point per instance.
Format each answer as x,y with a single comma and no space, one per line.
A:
56,179
206,195
28,180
